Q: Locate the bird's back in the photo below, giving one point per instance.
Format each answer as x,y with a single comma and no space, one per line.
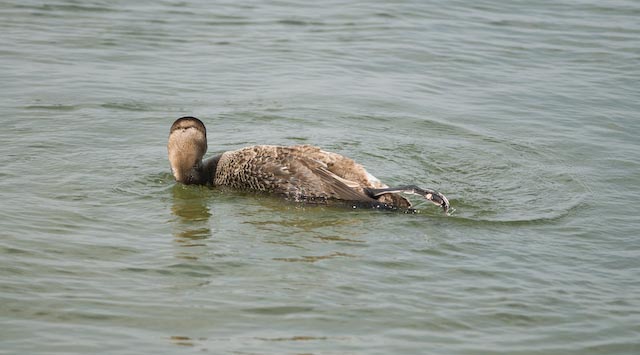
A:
301,173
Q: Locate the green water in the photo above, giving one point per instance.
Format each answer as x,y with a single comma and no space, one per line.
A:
525,114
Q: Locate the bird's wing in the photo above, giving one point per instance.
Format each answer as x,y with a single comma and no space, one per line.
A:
304,178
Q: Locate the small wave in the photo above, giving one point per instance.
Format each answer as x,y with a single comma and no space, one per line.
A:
145,185
69,8
493,179
56,107
126,106
514,191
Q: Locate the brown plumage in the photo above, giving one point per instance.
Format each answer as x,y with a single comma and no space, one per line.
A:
300,173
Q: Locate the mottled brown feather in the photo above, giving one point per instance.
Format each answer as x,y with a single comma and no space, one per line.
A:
302,173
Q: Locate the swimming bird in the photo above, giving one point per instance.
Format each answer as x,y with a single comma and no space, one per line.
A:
302,173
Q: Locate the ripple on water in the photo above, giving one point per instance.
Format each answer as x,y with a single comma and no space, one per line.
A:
523,186
145,185
493,179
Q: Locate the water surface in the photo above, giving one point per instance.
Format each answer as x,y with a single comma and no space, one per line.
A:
525,114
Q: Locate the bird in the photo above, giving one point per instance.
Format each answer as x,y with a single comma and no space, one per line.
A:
301,173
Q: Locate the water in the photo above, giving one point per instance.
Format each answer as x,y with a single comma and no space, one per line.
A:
524,113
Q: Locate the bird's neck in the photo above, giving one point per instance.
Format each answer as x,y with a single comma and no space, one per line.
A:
202,173
209,168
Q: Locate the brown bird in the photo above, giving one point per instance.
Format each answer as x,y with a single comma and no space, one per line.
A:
301,173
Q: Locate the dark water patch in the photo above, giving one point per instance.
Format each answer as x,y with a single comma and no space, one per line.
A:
231,22
339,239
315,258
386,15
299,22
189,270
279,310
127,106
298,139
53,107
48,8
296,338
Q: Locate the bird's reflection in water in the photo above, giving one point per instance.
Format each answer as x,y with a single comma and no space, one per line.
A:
294,232
191,225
